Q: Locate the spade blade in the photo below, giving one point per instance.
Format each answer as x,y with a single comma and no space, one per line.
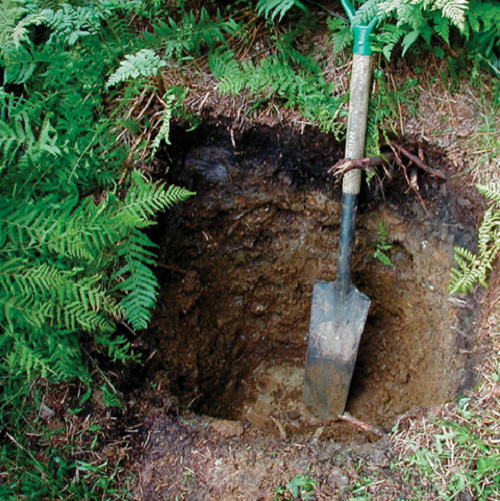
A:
338,317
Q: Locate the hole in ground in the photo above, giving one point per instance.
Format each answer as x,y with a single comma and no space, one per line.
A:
238,266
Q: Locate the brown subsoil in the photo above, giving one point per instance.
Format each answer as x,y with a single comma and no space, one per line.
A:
237,266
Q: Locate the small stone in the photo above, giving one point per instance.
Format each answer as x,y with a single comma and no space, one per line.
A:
226,428
379,458
337,478
46,412
294,414
258,418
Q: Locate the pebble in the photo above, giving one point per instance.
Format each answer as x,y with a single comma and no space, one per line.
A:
337,478
226,428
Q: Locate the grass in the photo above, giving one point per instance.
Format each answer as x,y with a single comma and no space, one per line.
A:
58,446
485,147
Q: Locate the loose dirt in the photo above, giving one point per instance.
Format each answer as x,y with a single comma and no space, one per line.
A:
237,267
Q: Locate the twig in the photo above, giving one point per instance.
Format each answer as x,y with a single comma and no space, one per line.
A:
361,424
411,185
345,165
419,163
171,267
280,428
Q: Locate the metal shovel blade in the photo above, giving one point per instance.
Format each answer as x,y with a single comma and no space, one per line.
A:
338,317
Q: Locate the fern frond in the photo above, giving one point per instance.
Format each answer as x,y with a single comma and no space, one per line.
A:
164,132
388,39
20,63
371,9
474,269
488,231
143,199
69,23
464,281
137,280
10,13
25,356
277,7
173,100
442,28
144,63
190,36
341,34
223,64
454,10
491,191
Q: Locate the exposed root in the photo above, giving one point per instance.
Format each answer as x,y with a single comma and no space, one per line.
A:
410,168
361,424
416,160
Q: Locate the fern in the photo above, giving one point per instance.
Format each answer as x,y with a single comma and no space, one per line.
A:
69,24
190,36
223,65
277,7
454,10
474,269
490,191
305,90
341,34
143,64
135,277
409,21
73,257
173,100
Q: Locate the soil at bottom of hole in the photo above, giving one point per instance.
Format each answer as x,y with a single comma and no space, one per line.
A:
196,458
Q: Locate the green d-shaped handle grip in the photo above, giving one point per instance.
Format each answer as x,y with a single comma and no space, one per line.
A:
361,32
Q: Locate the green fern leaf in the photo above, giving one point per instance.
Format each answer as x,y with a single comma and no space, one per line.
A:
341,34
277,7
144,63
442,27
409,40
223,65
454,10
173,100
20,63
490,191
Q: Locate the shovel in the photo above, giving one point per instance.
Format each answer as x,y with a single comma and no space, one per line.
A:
339,310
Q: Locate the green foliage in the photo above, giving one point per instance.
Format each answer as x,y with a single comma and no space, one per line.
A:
407,23
74,260
341,34
300,487
143,64
473,269
74,257
110,396
188,36
459,458
382,245
173,100
302,87
277,7
63,461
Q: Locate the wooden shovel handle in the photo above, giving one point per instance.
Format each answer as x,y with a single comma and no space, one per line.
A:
358,118
355,148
